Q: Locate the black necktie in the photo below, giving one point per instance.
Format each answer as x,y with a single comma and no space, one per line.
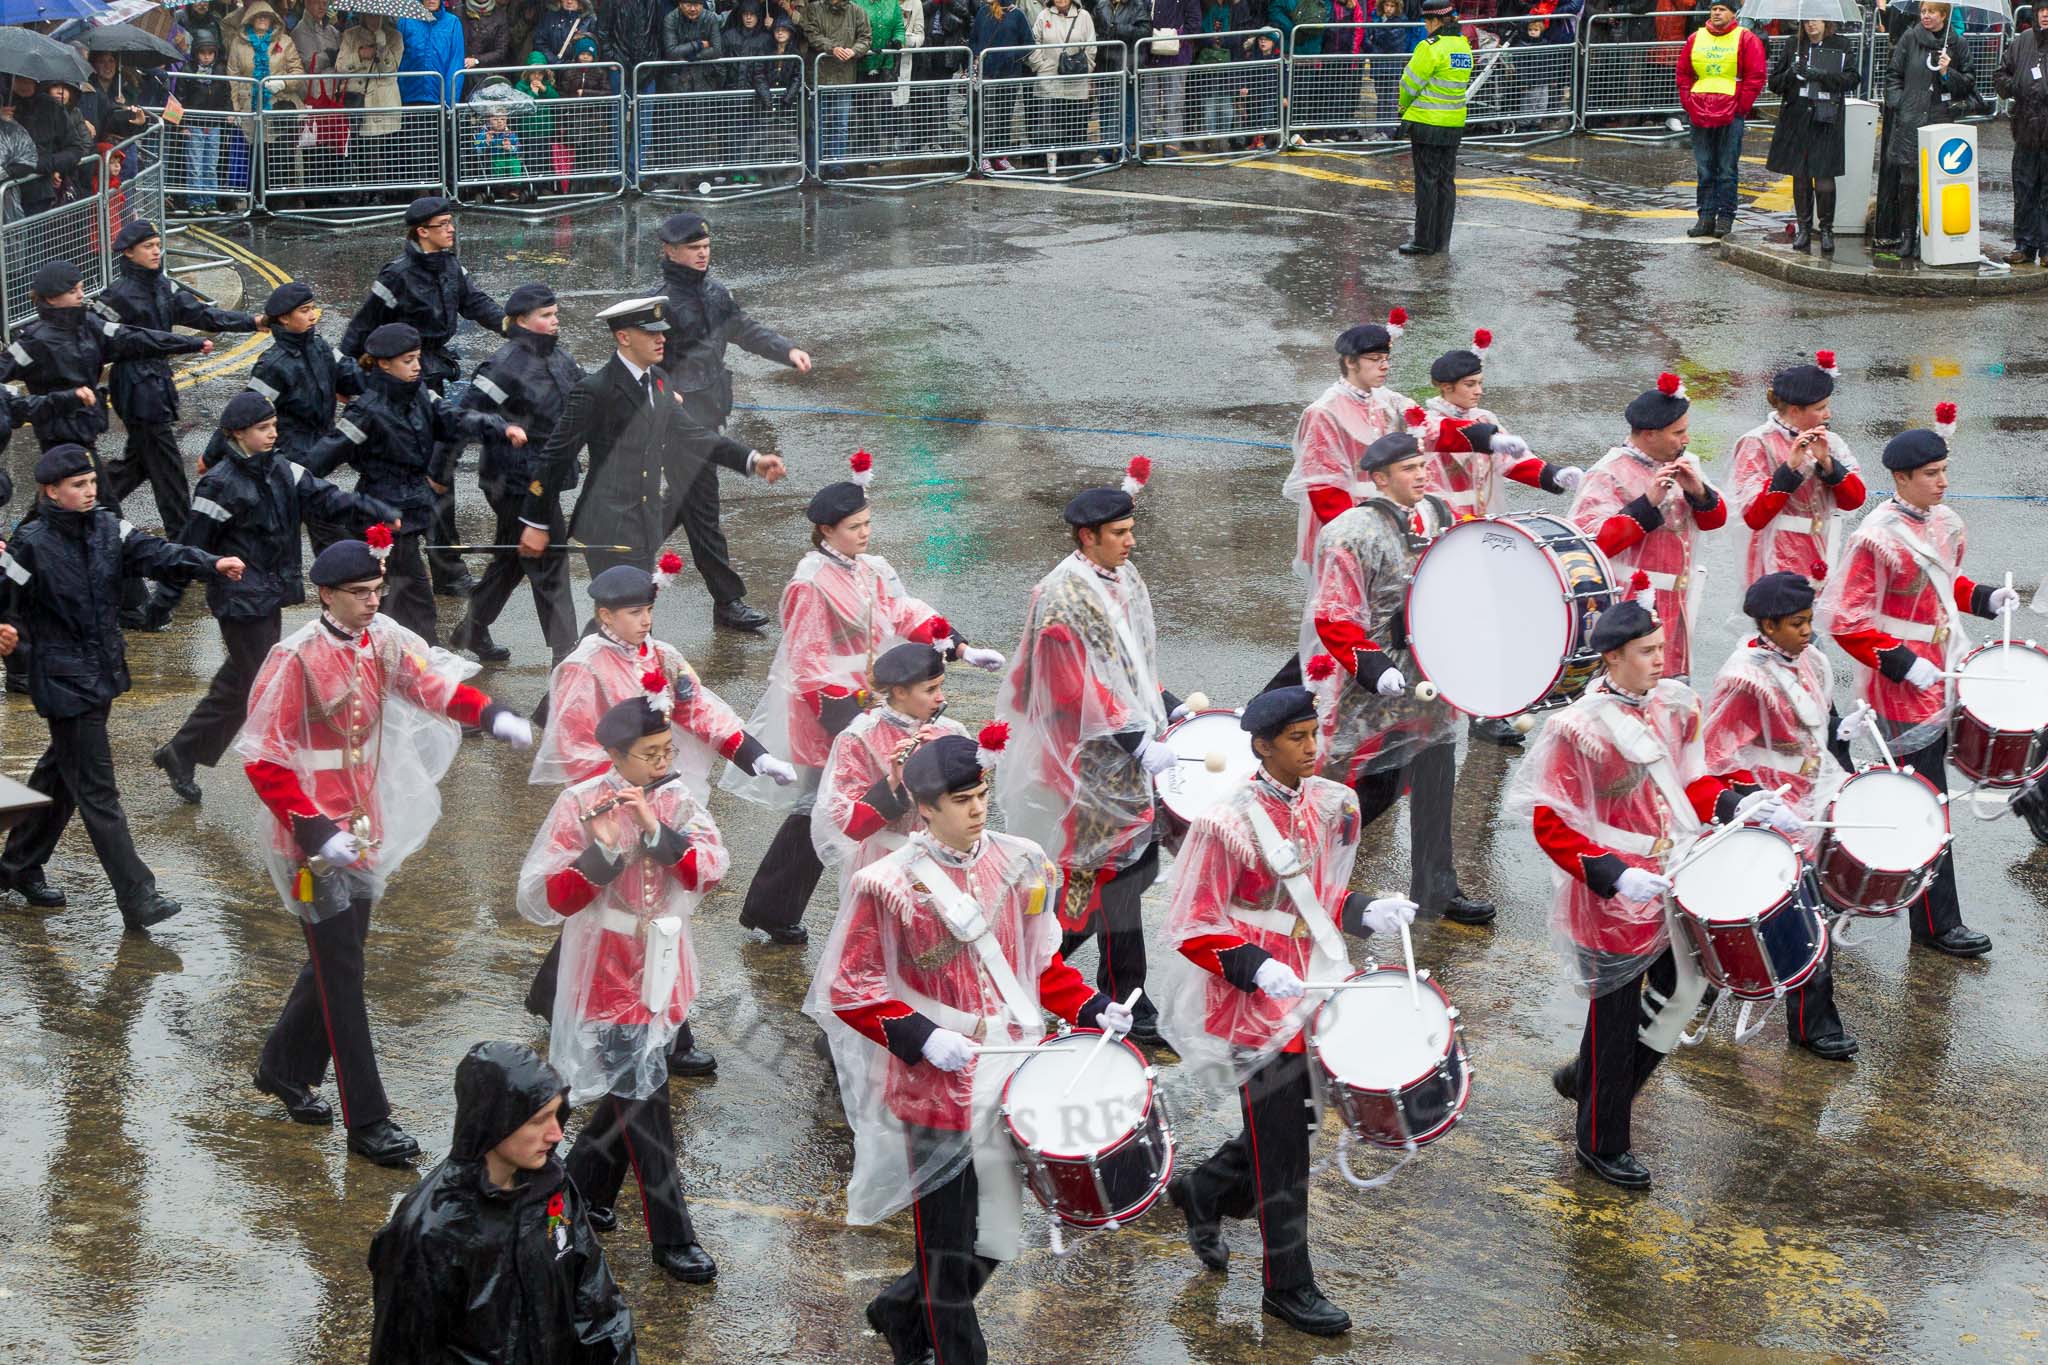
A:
647,383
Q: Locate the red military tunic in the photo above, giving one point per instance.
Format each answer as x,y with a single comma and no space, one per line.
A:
1887,598
600,673
1472,481
1767,715
1328,440
1616,505
1793,515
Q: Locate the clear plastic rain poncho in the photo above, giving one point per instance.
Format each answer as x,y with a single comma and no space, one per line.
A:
1805,535
599,674
1617,776
1767,715
1332,433
1363,562
1474,483
847,833
1665,554
838,614
361,724
629,969
1223,887
1897,578
890,947
1085,671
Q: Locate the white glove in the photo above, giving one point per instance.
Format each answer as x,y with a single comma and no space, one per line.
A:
1773,811
516,731
341,849
1569,477
1851,726
1387,914
1640,886
1508,444
1923,675
1278,980
2003,600
947,1050
1391,683
1157,758
1117,1018
1179,712
768,765
988,660
274,86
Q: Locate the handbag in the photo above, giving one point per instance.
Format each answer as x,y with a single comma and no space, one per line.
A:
1073,62
1165,42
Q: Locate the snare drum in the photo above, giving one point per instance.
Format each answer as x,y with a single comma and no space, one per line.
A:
1881,871
1189,788
1500,613
1998,732
1396,1074
1739,906
1099,1156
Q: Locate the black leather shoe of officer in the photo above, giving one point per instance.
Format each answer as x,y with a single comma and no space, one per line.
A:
456,587
1408,249
1497,730
601,1218
41,894
689,1263
179,772
1306,1310
1462,909
299,1102
1205,1238
737,615
478,641
1961,941
1836,1047
383,1142
692,1062
1565,1081
1623,1170
155,910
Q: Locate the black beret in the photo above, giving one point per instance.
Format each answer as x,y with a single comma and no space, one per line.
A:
623,585
426,209
1099,506
628,722
1443,7
137,231
1911,449
1368,338
678,228
1267,714
950,763
1622,622
906,665
1389,449
391,340
1776,596
245,410
59,463
345,561
1654,410
53,278
528,297
1452,366
1802,385
287,296
835,502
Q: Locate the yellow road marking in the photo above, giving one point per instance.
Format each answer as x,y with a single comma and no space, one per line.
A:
242,355
1510,188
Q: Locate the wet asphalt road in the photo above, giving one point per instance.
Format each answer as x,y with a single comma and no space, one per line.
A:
1892,1208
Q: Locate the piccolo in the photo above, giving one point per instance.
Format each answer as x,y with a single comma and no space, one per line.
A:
601,807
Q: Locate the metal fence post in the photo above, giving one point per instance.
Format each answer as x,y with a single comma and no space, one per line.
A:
1073,125
1234,108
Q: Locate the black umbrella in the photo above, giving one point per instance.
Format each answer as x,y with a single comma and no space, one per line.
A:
137,47
396,9
26,53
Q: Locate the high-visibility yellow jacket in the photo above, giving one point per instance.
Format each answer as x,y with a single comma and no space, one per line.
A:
1433,85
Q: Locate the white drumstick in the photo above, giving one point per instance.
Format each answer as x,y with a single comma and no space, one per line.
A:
1007,1050
1842,824
1869,718
1408,952
1699,849
1985,677
1130,1003
1214,760
1196,701
2010,599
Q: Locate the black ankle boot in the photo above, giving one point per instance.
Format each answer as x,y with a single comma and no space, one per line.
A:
1824,226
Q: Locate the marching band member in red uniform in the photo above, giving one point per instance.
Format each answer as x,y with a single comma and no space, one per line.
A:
1237,1007
1085,711
944,944
863,811
1643,503
620,865
1377,736
1794,478
843,606
1896,607
1771,713
352,722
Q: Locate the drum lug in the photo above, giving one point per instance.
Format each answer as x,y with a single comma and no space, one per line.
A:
1422,974
1452,1013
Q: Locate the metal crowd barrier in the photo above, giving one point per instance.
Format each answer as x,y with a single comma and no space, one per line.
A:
83,230
1986,49
1632,87
727,129
134,184
538,155
1069,126
1212,111
347,163
209,173
1344,89
908,130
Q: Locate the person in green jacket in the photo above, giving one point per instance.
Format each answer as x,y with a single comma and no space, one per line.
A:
878,121
1433,91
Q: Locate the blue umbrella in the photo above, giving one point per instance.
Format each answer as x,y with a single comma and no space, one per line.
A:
41,11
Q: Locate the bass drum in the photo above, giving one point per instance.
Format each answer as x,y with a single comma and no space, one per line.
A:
1191,787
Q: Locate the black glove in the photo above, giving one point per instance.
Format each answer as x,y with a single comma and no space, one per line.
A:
19,170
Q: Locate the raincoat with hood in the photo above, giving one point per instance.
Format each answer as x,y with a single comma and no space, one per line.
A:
600,673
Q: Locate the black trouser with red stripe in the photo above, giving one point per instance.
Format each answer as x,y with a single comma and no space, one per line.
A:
930,1307
1264,1169
1613,1061
1118,925
324,1016
623,1132
1937,911
1432,779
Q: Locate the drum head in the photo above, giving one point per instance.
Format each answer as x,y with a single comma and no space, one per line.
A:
1190,788
1914,825
1372,1037
2006,705
1488,620
1108,1102
1743,875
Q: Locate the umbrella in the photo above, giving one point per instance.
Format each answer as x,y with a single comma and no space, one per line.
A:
397,9
24,52
501,93
135,47
41,11
1834,11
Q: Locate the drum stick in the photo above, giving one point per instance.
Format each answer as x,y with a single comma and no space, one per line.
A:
1841,824
1408,952
1741,812
1986,678
2010,598
1424,691
1869,716
1130,1003
1214,761
1018,1050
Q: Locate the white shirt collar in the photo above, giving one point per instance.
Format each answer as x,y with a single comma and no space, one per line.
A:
639,374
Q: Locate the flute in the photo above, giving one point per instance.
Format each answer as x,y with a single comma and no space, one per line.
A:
610,801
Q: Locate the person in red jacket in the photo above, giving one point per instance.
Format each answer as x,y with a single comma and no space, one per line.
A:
1721,71
1794,478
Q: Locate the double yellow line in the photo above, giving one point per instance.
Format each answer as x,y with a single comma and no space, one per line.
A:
243,354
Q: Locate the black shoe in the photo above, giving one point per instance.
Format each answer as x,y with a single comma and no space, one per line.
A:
1497,730
1703,226
695,1062
456,587
1836,1047
1206,1238
1462,909
40,894
1802,239
179,772
1723,226
477,640
1826,238
1409,249
603,1219
689,1263
384,1143
1623,1170
155,910
1306,1310
1889,245
899,1354
1961,941
737,615
1565,1081
299,1102
791,934
1145,1032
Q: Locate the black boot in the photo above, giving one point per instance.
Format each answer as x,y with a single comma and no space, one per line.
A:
1824,226
1703,228
1802,213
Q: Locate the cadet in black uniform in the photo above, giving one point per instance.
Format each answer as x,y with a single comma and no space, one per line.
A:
300,374
144,395
249,502
706,318
428,289
528,381
59,585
